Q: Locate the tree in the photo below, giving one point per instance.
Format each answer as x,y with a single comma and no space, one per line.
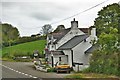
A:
59,28
106,58
47,28
107,17
9,33
0,35
108,42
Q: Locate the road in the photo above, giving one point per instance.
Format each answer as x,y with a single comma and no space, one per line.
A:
25,70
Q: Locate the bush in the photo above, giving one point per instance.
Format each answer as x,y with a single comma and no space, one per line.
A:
51,70
104,63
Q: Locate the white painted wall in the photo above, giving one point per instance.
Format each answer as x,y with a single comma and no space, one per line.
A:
68,52
63,59
78,52
79,56
51,47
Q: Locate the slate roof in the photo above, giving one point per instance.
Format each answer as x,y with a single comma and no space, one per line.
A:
91,49
73,42
63,32
60,34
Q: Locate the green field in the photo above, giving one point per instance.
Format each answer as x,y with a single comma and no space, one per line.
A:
24,49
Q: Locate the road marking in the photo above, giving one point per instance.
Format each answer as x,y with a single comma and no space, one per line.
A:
22,73
34,77
30,76
26,74
18,71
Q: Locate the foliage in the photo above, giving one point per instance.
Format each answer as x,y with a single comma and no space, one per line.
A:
0,36
51,70
29,39
46,29
59,28
107,17
24,49
102,62
10,36
9,33
87,76
108,42
106,58
24,40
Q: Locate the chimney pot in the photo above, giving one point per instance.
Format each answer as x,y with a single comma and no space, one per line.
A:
74,19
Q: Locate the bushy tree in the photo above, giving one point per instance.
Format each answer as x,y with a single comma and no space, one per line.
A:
9,33
106,59
107,17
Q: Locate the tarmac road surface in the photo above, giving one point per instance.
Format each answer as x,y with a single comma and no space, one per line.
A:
25,70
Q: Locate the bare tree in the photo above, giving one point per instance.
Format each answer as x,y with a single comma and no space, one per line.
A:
47,28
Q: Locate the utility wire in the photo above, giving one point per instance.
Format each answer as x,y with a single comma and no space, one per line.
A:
75,14
78,13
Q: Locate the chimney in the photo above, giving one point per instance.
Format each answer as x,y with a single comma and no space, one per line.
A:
74,24
93,34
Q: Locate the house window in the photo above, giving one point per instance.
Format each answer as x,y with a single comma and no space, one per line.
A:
49,38
59,58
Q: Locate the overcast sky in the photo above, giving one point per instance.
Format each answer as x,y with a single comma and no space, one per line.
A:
29,15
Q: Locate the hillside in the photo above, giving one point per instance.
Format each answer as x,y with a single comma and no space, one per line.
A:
25,48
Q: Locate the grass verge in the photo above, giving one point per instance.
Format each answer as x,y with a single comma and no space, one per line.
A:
90,75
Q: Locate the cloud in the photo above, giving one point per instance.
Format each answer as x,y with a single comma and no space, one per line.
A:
41,16
26,15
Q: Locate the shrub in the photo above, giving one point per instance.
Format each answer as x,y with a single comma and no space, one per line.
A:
102,62
51,70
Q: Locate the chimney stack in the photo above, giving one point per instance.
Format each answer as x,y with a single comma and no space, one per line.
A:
74,24
93,34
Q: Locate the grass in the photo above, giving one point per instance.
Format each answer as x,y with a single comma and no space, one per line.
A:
89,75
24,48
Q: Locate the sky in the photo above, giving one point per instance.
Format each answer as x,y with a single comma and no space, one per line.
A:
30,15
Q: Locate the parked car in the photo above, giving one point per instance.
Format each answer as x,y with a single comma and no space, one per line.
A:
63,68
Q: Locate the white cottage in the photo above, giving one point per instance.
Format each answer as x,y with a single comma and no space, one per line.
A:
70,46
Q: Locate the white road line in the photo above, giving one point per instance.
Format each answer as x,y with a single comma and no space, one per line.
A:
11,69
34,77
30,76
26,74
18,71
22,73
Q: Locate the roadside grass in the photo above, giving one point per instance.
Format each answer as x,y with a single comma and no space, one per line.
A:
0,53
89,75
23,49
